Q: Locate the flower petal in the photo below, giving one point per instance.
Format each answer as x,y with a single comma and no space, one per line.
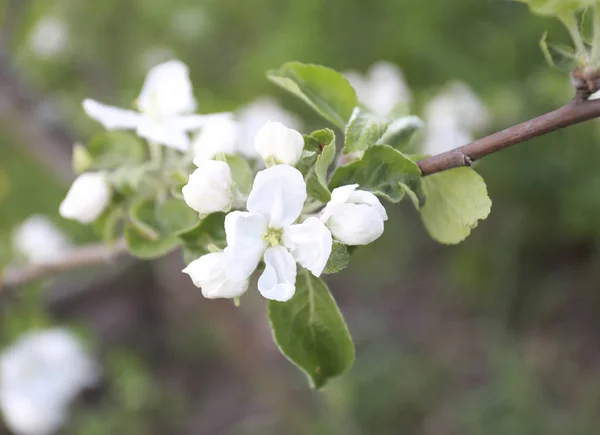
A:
208,272
364,197
195,122
208,189
339,195
245,244
355,224
87,198
164,134
278,194
278,281
218,136
310,243
167,91
111,117
275,141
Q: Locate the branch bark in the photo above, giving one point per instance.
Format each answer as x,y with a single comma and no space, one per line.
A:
575,112
86,255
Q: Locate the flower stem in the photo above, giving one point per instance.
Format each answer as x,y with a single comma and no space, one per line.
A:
595,57
155,154
570,22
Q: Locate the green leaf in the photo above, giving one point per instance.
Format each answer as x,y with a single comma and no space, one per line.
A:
401,131
324,89
310,331
319,155
557,7
558,56
208,232
114,149
109,225
384,171
456,200
175,216
241,172
146,235
363,130
338,260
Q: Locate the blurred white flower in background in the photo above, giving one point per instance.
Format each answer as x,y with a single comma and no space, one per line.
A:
381,89
165,106
255,115
38,240
220,135
49,37
40,375
452,118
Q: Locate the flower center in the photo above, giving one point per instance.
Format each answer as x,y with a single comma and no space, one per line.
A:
273,237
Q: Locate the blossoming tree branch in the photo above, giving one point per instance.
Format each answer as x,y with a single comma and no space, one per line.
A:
288,208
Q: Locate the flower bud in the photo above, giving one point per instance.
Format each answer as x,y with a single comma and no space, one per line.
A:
219,136
209,188
274,141
87,198
208,273
354,217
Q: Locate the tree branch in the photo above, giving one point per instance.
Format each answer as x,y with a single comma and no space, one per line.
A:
86,255
576,111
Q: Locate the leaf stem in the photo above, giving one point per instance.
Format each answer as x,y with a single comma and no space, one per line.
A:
595,56
570,22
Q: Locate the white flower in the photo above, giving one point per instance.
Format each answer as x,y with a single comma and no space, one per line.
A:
87,198
255,115
49,37
209,188
164,104
208,272
39,240
355,217
40,375
219,136
381,89
452,117
275,142
267,230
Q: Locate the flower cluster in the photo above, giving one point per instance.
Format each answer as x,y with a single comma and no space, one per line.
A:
274,229
40,375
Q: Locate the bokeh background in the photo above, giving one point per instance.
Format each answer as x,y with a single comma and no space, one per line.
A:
497,335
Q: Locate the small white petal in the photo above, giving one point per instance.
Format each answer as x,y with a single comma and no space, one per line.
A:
208,189
111,117
87,198
278,194
39,240
218,136
245,243
364,197
164,134
209,273
275,141
278,281
310,243
167,91
355,224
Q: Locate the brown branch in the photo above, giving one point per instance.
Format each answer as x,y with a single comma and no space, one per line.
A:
86,255
576,111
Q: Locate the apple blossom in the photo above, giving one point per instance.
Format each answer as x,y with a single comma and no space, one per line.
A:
209,188
208,272
40,375
354,217
219,136
255,115
39,240
49,37
165,105
277,143
267,231
87,198
382,89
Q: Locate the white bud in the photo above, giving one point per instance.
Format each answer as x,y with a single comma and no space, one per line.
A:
87,198
208,273
354,217
219,136
209,188
274,141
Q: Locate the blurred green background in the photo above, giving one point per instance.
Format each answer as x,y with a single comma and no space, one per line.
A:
499,335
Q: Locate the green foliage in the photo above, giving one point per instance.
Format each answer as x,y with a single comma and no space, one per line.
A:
113,149
456,200
363,131
339,258
325,90
558,56
557,7
241,172
400,132
319,154
310,331
209,231
109,226
384,171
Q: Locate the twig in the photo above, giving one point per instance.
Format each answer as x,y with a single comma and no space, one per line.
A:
86,255
577,111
